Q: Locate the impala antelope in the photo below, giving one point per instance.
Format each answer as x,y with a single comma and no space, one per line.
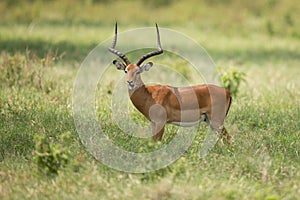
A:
183,106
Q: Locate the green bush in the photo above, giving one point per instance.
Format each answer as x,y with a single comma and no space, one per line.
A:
50,157
231,79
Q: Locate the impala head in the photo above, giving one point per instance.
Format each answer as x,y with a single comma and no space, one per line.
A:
133,71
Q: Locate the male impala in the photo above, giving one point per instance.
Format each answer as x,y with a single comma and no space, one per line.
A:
161,104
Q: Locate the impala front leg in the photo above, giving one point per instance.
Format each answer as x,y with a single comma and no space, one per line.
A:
157,130
158,117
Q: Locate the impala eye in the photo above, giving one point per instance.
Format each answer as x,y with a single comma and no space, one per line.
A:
125,71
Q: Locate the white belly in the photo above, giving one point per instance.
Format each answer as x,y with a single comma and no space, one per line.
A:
185,124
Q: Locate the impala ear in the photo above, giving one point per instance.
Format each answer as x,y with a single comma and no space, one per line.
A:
119,65
146,67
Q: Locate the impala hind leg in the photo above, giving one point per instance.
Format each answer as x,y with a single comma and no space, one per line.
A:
220,130
217,126
225,136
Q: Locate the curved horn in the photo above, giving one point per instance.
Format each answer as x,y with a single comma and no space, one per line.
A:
153,53
114,51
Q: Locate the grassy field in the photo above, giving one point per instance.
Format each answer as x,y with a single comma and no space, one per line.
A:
43,43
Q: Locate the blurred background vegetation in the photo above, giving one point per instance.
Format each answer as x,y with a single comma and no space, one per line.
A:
273,16
277,17
74,27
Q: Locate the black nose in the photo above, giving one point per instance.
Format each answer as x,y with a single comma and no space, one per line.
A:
129,82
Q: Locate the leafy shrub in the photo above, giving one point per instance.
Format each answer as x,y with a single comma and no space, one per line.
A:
231,79
158,3
25,70
50,157
270,28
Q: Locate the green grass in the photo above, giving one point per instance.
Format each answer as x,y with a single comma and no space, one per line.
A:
258,38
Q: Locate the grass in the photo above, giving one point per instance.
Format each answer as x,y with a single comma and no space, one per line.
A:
262,40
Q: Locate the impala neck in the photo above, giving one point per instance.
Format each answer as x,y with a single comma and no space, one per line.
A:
140,98
138,84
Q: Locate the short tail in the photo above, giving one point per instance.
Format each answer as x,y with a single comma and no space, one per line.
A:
230,100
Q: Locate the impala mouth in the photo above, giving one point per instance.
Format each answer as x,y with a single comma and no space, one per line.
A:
131,86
